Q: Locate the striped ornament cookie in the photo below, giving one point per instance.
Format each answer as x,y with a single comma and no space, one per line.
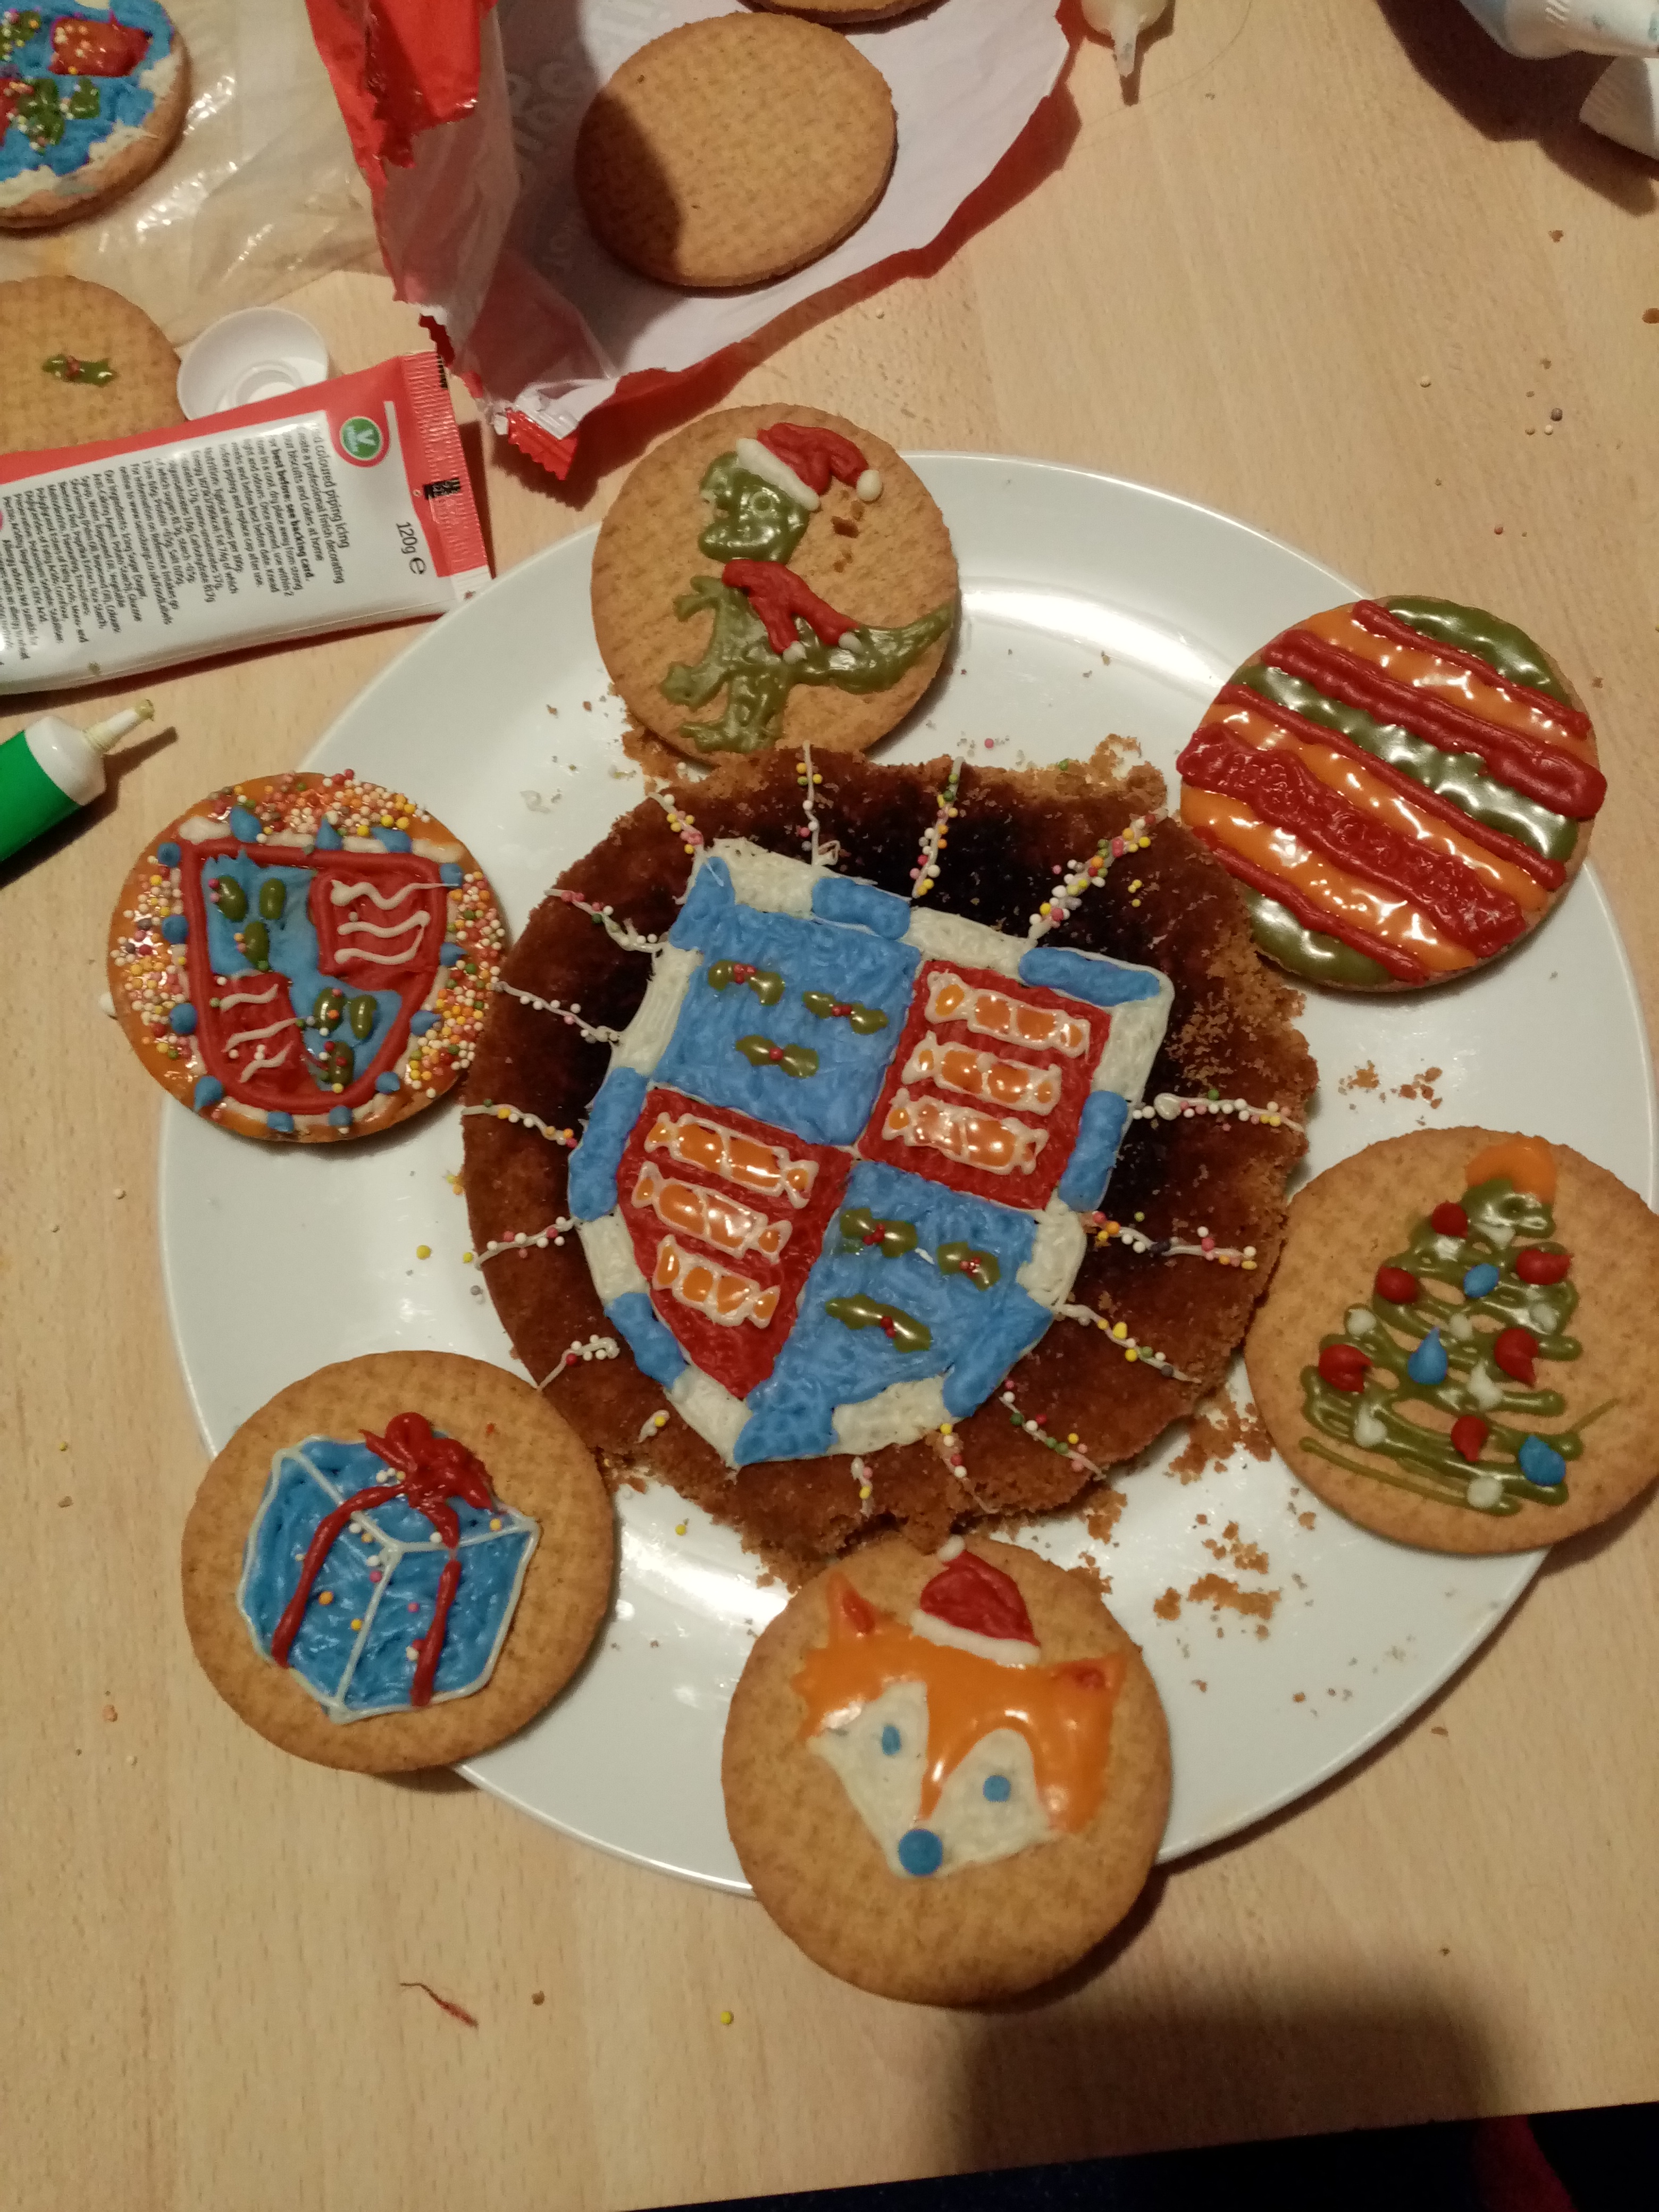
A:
1402,788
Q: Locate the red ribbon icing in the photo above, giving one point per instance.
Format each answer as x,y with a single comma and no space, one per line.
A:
971,1593
777,594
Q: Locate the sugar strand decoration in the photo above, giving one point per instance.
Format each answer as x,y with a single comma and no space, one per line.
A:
1037,1427
523,1242
1118,1336
583,1349
571,1015
565,1137
925,874
1108,1231
680,820
1079,876
807,779
604,917
1167,1107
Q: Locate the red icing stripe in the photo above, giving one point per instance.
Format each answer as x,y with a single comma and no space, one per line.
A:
1282,792
1538,771
777,594
1550,873
1371,615
1400,965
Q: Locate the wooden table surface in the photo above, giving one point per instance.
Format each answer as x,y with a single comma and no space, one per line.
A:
1332,272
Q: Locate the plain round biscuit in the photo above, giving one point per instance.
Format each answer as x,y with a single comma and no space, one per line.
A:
734,149
844,14
898,567
1348,1221
986,1931
40,316
61,201
534,1463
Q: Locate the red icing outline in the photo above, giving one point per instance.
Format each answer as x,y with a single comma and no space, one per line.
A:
971,1593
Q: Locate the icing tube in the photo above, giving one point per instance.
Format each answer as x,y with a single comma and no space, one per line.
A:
344,505
1122,22
1541,29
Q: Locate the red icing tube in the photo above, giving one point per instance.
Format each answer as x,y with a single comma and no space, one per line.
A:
1400,965
971,1593
777,594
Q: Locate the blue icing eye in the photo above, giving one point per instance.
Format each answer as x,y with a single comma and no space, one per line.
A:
387,1083
999,1789
449,875
1481,1280
176,928
395,841
244,824
182,1019
1428,1363
168,854
890,1738
340,1117
1541,1463
920,1852
329,839
425,1020
449,954
208,1092
282,1123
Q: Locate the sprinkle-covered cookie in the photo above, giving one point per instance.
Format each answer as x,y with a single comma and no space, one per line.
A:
1454,1351
397,1561
91,98
305,957
1403,788
78,363
946,1777
773,574
734,149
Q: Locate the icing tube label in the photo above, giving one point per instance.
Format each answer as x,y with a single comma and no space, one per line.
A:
342,505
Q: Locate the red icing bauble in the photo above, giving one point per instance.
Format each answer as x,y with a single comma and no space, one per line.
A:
1449,1220
1343,1366
1515,1351
1468,1433
972,1594
1397,1284
1534,1265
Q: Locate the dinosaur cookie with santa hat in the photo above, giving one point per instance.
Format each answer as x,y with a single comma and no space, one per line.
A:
946,1776
773,574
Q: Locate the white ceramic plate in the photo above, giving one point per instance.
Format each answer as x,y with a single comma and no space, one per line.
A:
1059,570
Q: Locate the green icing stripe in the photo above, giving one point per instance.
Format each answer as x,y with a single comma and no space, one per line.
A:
1472,629
1457,777
1308,952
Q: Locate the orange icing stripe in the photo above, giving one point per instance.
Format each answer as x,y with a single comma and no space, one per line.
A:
1063,1711
1424,670
695,1211
987,1142
709,1288
1344,774
1526,1161
982,1075
1342,896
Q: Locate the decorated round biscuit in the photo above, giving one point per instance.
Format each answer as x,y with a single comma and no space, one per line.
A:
946,1776
856,1145
91,98
397,1562
734,149
1453,1350
305,957
78,363
845,15
772,573
1403,788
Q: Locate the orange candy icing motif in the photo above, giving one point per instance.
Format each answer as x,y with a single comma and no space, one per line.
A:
724,1298
1064,1711
709,1215
983,1141
982,1075
1527,1162
997,1014
767,1170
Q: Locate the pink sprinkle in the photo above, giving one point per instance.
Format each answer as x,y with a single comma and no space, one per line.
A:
914,872
988,743
375,1574
411,1605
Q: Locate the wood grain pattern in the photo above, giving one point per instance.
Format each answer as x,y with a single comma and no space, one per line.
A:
1233,288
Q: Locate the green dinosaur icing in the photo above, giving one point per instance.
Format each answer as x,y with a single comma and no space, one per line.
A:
1374,1418
753,520
907,1334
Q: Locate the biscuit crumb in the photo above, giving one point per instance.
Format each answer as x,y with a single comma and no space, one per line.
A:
1300,1698
1307,1520
110,1713
64,1502
1439,1731
1215,1429
1363,1079
1217,1591
1168,1607
1105,1512
539,1996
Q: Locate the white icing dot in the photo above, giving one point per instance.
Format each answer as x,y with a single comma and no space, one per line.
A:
1360,1319
868,487
1485,1491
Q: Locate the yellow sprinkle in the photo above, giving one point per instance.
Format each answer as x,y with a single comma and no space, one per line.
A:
466,1259
680,1528
327,1598
1131,1353
422,1251
1119,1330
63,1446
1071,1436
726,2019
495,1520
924,887
864,1490
357,1623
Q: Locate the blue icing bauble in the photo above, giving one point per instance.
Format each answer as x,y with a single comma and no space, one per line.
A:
207,1094
244,825
920,1852
167,855
1429,1364
842,898
892,1741
1541,1463
354,1671
425,1020
386,1081
176,928
450,953
340,1117
282,1123
999,1789
1479,1281
182,1019
1090,976
592,1189
122,101
1100,1132
395,841
329,839
450,874
650,1340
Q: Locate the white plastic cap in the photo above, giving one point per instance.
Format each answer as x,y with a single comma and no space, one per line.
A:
259,353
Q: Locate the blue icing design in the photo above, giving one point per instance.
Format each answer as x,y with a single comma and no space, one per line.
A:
294,955
182,1019
634,1317
450,953
425,1020
1480,1279
386,1081
1541,1463
355,1672
395,841
329,839
1089,975
120,98
168,854
1429,1362
843,898
920,1852
282,1123
340,1117
592,1190
244,825
176,928
977,1334
832,1106
890,1739
1100,1132
207,1094
999,1789
449,874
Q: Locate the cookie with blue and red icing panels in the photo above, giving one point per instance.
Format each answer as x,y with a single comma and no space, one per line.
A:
397,1562
91,100
946,1776
305,957
1453,1351
773,574
1403,789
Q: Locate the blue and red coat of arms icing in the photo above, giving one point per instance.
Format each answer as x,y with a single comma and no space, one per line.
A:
829,1189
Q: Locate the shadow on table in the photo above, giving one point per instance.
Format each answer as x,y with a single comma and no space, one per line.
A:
1506,98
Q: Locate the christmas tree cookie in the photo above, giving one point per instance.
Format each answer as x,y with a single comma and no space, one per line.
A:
1452,1354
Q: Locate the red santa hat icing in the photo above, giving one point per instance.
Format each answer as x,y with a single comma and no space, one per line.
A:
799,461
976,1608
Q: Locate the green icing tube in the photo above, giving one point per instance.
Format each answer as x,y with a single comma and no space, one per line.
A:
50,769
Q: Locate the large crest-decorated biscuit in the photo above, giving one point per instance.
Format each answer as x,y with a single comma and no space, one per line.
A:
1403,788
91,98
397,1562
946,1777
772,573
1453,1350
305,957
